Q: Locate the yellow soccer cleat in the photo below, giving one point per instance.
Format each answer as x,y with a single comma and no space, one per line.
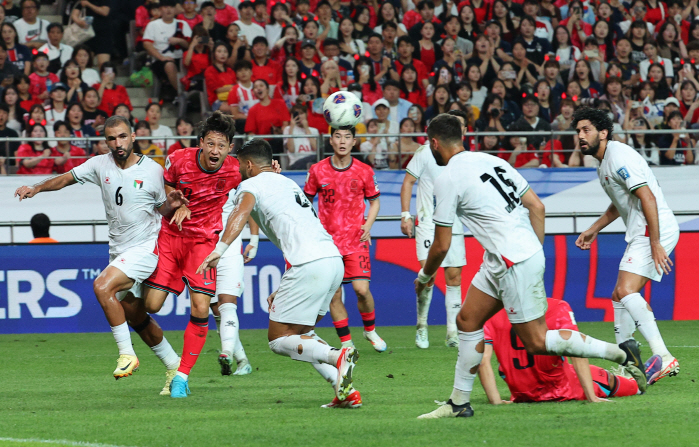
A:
126,365
169,375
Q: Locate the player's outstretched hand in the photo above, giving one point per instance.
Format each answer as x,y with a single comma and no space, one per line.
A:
250,253
596,399
502,402
25,192
586,239
661,260
210,262
180,215
270,300
406,227
177,199
276,167
366,234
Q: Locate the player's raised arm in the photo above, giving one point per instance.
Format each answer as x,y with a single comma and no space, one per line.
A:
234,226
175,200
50,184
537,213
584,241
649,206
406,193
487,376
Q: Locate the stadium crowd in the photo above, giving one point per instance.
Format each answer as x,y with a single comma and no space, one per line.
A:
515,66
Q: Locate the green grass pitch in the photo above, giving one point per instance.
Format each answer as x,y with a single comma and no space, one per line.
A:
59,388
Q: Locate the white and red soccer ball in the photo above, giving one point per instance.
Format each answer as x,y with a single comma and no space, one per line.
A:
342,110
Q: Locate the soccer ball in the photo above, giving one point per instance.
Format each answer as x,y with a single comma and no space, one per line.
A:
342,110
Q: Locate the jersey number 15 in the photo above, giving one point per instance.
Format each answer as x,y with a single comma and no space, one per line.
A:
511,198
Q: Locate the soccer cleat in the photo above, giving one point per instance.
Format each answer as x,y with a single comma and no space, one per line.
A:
126,365
376,341
449,410
452,340
169,375
345,366
226,362
348,344
669,367
639,377
653,367
421,340
179,387
244,368
354,400
633,354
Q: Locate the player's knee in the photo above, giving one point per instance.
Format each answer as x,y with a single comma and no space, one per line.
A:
200,309
152,307
620,291
361,289
465,324
101,288
452,276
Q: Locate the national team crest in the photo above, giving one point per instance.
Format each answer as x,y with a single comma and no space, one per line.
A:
138,184
220,184
354,184
339,99
357,110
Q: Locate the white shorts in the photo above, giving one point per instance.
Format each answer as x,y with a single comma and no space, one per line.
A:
229,276
520,287
456,256
638,258
305,291
137,263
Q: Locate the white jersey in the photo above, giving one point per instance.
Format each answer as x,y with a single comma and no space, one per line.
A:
27,33
622,171
485,193
426,170
237,245
288,219
158,33
162,131
130,198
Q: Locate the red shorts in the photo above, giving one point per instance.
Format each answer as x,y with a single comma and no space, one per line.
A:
179,259
357,266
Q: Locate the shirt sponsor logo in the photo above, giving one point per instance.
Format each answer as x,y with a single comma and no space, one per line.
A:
106,180
624,173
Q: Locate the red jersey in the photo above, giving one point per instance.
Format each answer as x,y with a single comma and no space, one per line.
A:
226,15
215,79
44,167
341,202
419,67
197,19
534,378
206,191
77,155
271,72
37,83
112,97
261,118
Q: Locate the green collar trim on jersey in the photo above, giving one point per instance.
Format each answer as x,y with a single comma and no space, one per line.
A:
330,159
140,159
202,168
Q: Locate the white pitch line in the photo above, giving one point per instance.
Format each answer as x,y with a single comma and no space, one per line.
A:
58,441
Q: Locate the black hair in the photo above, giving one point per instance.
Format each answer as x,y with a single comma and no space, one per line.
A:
30,129
445,127
350,128
391,83
4,107
40,224
256,149
379,17
64,77
460,114
283,6
80,47
57,125
424,3
39,55
597,117
108,64
404,39
260,39
151,105
377,35
416,85
54,25
241,64
366,61
285,77
82,110
115,120
389,25
219,123
331,42
15,30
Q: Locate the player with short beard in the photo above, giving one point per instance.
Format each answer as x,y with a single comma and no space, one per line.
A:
652,231
132,191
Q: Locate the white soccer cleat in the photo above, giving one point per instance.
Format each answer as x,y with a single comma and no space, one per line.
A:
244,368
376,341
452,340
671,367
348,344
345,367
126,365
169,375
449,410
421,340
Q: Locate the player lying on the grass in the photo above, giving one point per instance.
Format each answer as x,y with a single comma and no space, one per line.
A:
507,218
286,216
541,378
424,170
229,286
132,191
652,231
344,183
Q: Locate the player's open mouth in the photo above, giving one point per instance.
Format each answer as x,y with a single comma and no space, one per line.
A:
213,161
120,152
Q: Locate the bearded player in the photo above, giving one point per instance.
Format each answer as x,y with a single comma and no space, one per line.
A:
132,191
544,378
506,217
286,216
205,175
652,231
343,184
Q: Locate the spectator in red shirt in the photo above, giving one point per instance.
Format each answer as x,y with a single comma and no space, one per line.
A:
289,88
656,11
288,46
269,113
197,59
405,56
67,155
309,97
262,66
410,88
371,89
219,78
689,104
577,27
34,157
518,154
41,79
184,128
225,14
111,93
190,14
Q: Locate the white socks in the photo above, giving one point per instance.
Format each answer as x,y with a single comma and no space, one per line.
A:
229,328
575,346
122,336
452,302
166,354
183,375
423,306
329,372
467,365
304,349
624,326
645,321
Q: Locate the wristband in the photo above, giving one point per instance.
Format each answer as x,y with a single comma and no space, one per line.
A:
221,248
406,215
422,277
255,240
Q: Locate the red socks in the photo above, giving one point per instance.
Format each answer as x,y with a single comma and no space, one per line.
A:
194,339
369,320
342,329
